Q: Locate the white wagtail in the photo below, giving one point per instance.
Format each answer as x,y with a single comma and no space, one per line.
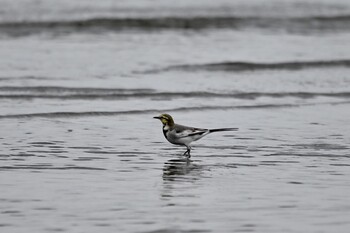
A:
184,135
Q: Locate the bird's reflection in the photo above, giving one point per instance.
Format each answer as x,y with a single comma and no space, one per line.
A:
181,168
179,177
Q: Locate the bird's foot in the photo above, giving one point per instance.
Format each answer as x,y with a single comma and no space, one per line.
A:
187,154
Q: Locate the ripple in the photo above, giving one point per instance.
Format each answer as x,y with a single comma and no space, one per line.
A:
48,151
5,225
55,229
319,146
11,212
177,231
156,111
42,143
295,182
84,147
305,24
278,161
88,158
12,200
340,164
250,66
47,167
45,208
308,155
236,165
23,154
101,152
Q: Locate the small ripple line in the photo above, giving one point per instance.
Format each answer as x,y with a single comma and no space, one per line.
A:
36,93
147,111
40,167
238,66
290,24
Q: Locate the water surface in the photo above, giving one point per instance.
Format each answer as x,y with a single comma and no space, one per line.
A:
81,81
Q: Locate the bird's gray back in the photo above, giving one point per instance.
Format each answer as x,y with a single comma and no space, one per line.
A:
180,128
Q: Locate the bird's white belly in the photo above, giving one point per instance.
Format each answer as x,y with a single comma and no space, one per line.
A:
172,137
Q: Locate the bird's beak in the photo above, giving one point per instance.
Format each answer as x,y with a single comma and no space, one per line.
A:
157,117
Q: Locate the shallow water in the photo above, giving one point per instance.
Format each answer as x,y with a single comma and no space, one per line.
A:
80,151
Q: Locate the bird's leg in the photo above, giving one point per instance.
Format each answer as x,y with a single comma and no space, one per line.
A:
188,152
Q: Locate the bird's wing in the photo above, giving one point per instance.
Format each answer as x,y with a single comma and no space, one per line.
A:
185,131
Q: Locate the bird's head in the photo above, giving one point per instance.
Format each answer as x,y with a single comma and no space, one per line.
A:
166,119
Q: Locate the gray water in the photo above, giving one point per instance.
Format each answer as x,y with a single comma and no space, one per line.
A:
81,80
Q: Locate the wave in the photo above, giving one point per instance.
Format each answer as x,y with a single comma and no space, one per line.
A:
156,111
48,167
293,24
57,92
59,89
253,66
66,93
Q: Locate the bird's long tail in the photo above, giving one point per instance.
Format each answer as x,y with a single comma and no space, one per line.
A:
222,129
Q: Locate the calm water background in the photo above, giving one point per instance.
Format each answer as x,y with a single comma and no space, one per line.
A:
81,80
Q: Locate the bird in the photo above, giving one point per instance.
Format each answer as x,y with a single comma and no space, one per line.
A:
184,135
